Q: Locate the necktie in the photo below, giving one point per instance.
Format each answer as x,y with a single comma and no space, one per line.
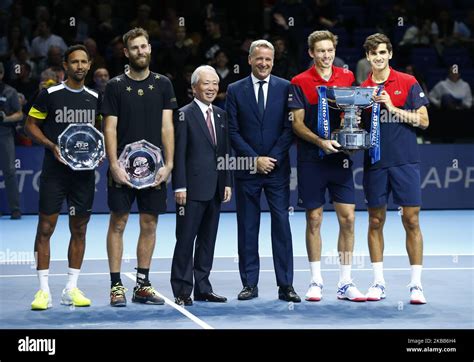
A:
261,100
209,125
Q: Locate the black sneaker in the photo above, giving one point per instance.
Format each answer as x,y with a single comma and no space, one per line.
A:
117,296
16,215
146,294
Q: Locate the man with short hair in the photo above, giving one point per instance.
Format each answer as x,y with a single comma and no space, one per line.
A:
260,132
321,166
58,182
200,185
397,168
10,114
137,104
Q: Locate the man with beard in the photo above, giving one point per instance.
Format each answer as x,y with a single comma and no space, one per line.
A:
137,105
46,121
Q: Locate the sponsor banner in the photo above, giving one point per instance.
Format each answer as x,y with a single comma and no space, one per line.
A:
447,180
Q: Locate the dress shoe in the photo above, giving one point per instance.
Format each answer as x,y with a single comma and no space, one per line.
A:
210,297
186,301
288,294
248,293
16,215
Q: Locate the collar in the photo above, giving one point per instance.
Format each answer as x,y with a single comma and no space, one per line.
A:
72,89
256,80
317,77
391,77
203,106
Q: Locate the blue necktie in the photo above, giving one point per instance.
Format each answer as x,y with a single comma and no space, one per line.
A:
261,100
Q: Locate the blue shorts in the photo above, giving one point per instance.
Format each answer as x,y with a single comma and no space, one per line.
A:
315,177
403,180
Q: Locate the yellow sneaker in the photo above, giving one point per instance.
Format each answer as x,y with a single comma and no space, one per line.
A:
75,297
42,301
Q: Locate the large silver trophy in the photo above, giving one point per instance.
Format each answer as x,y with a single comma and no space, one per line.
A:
81,146
350,100
141,160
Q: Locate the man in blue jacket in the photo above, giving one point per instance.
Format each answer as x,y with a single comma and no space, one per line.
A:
260,130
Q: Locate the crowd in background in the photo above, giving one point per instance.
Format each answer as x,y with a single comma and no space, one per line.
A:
433,40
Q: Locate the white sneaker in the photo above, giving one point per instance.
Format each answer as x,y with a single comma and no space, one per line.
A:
349,291
416,295
376,292
314,293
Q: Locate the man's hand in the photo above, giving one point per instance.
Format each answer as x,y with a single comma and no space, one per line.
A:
120,176
329,146
227,194
180,198
384,98
265,164
57,154
162,175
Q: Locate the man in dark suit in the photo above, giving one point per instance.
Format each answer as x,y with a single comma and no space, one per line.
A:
200,185
260,129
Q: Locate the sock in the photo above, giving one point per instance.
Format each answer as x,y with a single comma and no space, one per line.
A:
72,276
416,274
115,279
344,274
142,276
378,273
43,279
315,268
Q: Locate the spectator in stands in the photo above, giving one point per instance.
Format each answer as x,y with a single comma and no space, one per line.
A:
226,76
117,60
143,21
16,17
418,34
10,113
86,24
324,14
214,41
101,77
20,56
179,54
444,30
48,78
412,70
284,64
452,93
97,60
45,39
13,40
24,83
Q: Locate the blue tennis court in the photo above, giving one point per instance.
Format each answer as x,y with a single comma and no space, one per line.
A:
447,279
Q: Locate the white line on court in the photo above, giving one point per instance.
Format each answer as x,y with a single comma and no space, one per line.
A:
236,271
236,256
180,309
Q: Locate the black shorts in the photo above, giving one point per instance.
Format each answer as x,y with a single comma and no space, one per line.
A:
76,187
150,200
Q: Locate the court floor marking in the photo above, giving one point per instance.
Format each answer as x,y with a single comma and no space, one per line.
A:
180,309
233,257
237,271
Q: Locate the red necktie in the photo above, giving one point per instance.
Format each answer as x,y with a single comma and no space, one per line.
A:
209,125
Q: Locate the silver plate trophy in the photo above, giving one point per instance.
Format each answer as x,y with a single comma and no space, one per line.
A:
81,146
141,160
350,100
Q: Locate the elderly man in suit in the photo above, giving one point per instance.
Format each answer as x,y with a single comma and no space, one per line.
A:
260,129
200,187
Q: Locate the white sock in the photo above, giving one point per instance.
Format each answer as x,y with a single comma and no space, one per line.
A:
416,274
378,273
315,268
43,279
72,276
344,274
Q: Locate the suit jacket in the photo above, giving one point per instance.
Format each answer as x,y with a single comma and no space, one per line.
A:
252,135
196,158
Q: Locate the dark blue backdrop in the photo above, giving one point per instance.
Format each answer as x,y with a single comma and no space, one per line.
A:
447,173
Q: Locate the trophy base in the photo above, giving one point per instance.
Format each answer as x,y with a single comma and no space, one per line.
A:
352,140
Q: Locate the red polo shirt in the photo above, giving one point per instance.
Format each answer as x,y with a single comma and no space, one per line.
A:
398,144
